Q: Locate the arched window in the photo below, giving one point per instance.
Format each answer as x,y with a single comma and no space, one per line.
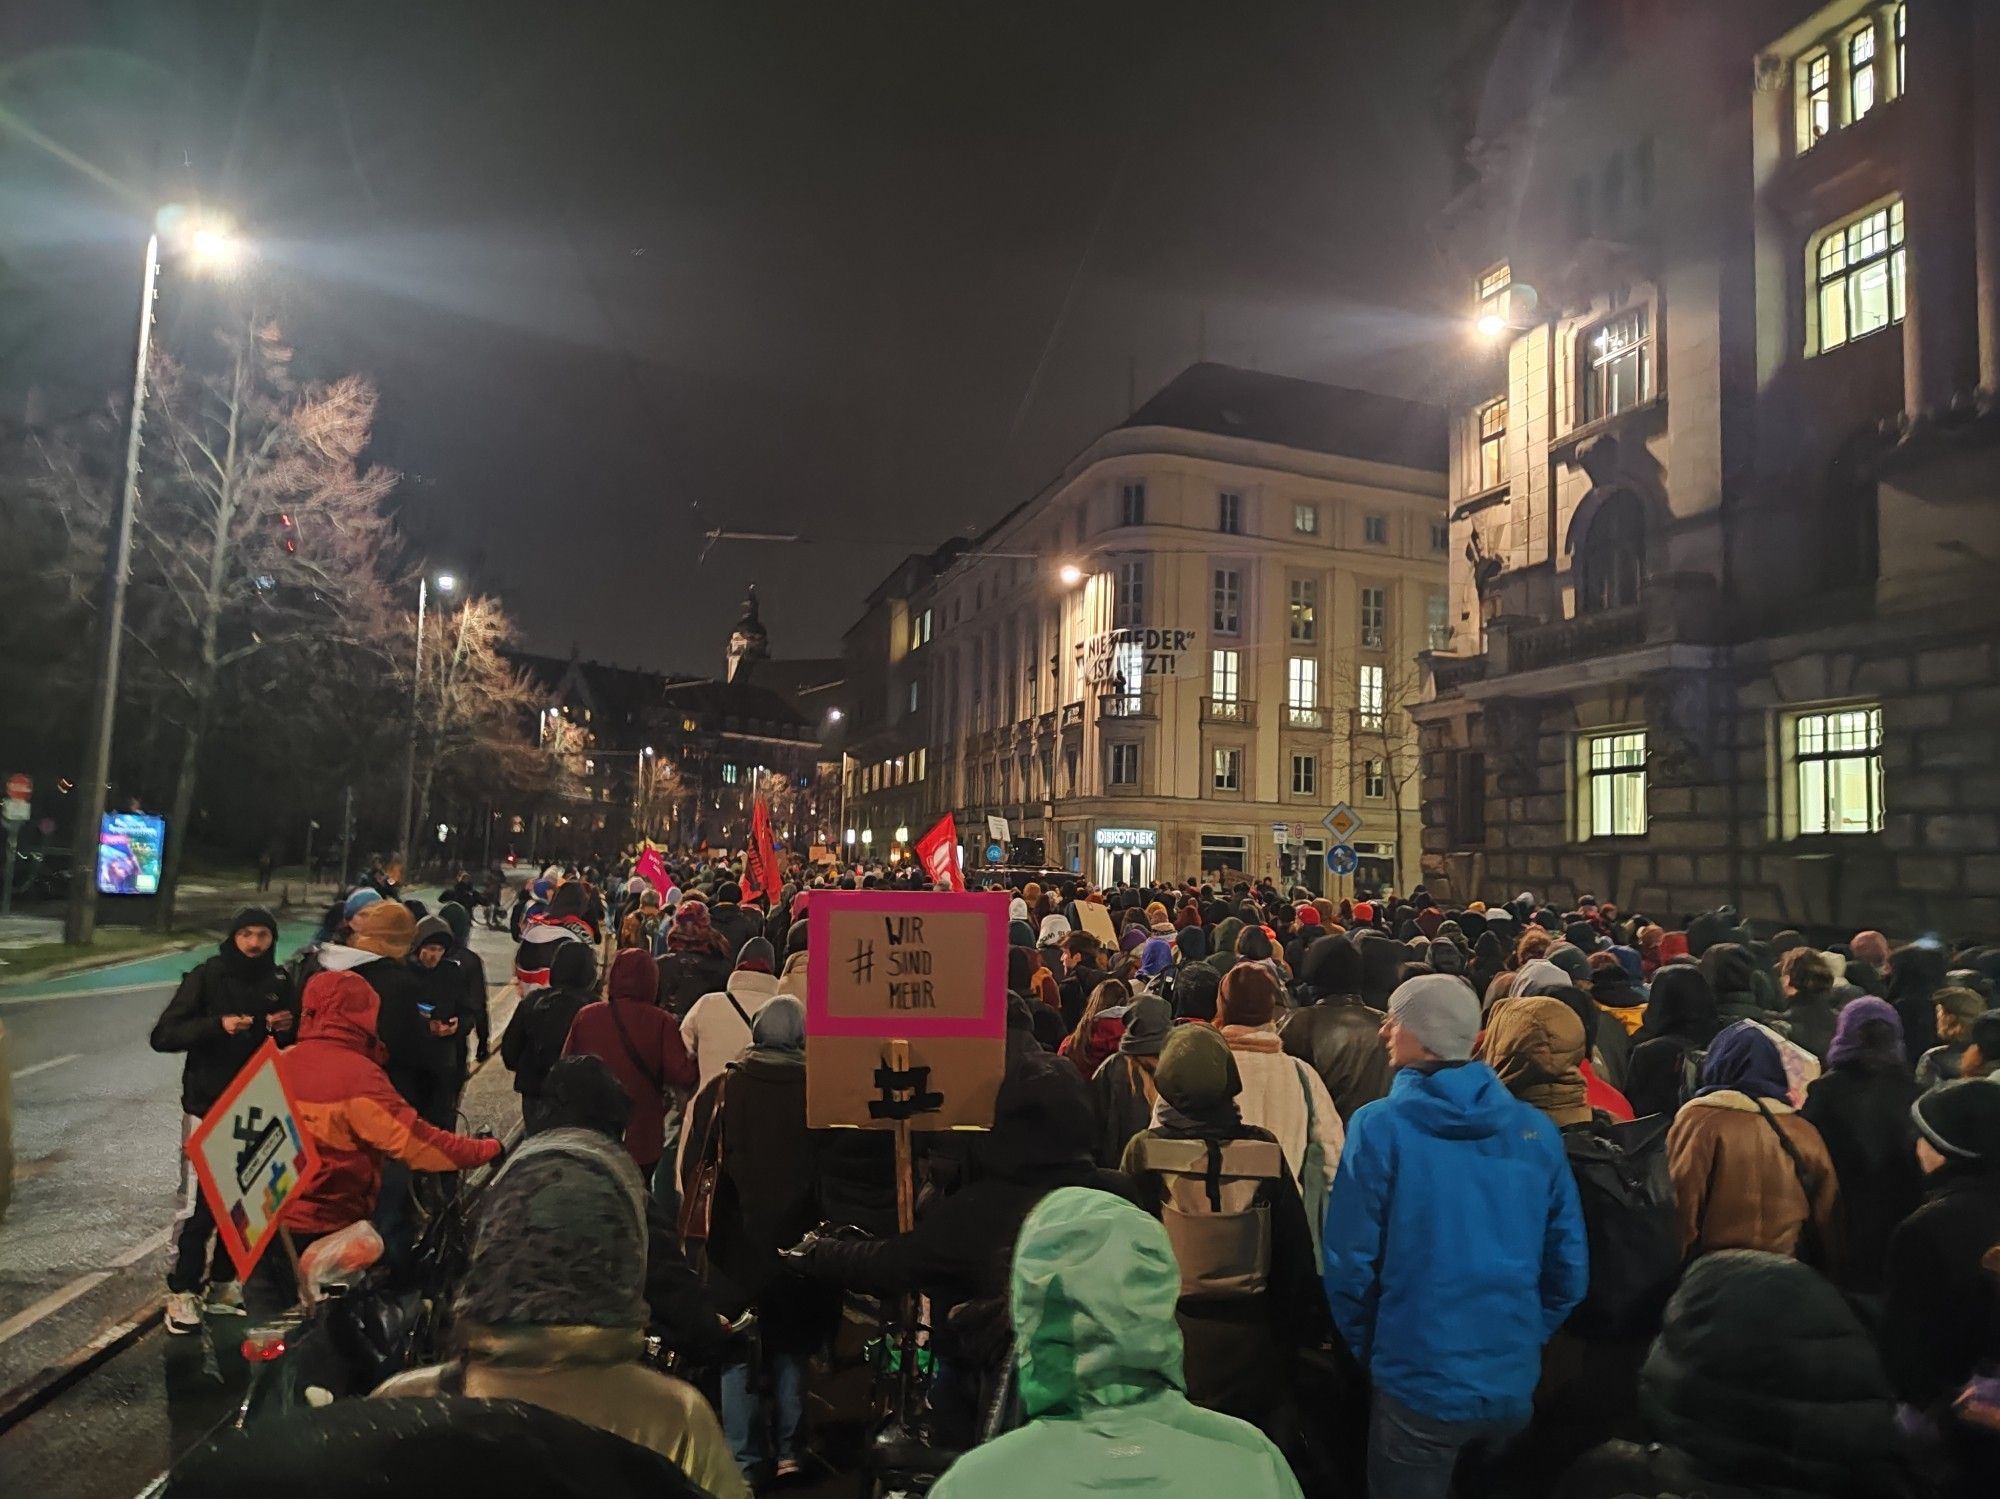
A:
1610,565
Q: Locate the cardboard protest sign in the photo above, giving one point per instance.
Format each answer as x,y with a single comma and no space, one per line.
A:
928,968
251,1158
1096,921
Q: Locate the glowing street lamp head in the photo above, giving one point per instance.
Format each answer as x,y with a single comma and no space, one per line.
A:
834,715
446,582
1070,574
1490,325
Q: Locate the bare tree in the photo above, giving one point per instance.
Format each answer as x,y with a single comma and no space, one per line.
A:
662,789
1380,735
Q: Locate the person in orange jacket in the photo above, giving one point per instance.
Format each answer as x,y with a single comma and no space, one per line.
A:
355,1117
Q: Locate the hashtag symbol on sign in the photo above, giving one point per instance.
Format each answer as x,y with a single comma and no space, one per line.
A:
862,965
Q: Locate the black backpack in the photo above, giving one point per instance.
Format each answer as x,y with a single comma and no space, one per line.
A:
1629,1221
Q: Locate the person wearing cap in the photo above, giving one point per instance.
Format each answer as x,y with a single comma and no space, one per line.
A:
1957,1009
440,999
1938,1324
1122,1091
1449,1157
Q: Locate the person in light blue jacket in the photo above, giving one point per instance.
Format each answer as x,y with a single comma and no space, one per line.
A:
1453,1246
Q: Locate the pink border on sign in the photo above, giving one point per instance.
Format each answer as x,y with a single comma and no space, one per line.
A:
992,904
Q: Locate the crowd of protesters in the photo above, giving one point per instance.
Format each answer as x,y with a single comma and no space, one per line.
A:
1403,1197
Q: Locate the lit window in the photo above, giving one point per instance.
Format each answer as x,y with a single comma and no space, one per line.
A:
1860,72
1374,616
1618,355
1374,780
729,775
1493,444
1305,519
1440,537
1224,679
1302,689
1303,610
1228,769
1838,770
1491,290
1124,764
1229,513
1227,615
1437,621
1305,775
920,629
1614,774
1128,677
1129,606
1369,698
1375,530
1132,503
1858,277
1815,98
1902,73
914,693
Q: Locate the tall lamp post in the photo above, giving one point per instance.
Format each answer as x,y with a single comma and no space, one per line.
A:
405,834
210,246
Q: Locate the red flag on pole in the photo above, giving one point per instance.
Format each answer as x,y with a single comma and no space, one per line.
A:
762,856
651,868
938,850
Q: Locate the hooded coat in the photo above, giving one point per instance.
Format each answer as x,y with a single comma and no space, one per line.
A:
1123,1093
1450,1157
228,983
355,1118
1861,1108
1336,1034
641,1045
1681,1021
535,1036
1093,1295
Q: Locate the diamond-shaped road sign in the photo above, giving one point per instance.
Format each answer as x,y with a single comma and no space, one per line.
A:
1342,821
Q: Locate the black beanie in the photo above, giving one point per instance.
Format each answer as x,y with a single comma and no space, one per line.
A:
251,916
1962,1120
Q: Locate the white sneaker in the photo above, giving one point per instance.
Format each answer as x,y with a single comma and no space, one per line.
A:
226,1297
787,1467
183,1313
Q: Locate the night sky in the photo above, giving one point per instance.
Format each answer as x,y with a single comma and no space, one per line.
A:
870,272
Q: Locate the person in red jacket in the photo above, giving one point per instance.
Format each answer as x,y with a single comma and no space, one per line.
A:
355,1117
641,1044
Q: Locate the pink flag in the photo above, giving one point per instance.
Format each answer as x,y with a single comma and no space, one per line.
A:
651,868
938,849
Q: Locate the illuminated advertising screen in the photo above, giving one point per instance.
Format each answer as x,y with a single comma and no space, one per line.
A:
128,853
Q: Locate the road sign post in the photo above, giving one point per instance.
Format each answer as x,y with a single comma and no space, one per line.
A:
14,811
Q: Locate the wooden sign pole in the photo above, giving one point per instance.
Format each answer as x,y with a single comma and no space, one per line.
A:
298,1269
898,1056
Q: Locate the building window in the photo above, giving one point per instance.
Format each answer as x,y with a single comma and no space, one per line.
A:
1223,676
1128,607
1610,564
920,629
1302,690
1128,677
1374,617
1619,364
915,694
1229,770
1902,77
1369,698
1614,775
1858,277
1815,73
1490,292
1124,764
1229,513
1305,775
1465,797
1305,519
1303,610
729,775
1132,503
1374,780
1437,621
1837,771
1228,611
1860,72
1223,854
1375,530
1493,444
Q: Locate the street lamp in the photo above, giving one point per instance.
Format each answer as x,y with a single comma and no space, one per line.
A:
902,834
834,715
867,837
406,838
1070,574
211,246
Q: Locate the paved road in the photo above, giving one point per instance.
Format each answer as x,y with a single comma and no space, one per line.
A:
97,1119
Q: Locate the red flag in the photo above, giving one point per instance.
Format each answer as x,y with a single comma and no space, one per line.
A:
762,856
938,850
651,868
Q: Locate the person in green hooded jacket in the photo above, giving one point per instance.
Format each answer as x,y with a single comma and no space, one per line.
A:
1093,1295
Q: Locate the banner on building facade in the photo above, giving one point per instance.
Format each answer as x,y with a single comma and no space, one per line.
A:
937,851
1137,652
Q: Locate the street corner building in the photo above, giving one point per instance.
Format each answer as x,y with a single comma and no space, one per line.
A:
1177,657
1723,466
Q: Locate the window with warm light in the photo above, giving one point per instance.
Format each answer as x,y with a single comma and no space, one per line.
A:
1614,784
1374,617
1302,610
1226,617
1224,677
1492,444
1860,72
1305,519
1618,364
1857,269
1369,698
1302,684
1437,621
1815,73
1490,291
920,629
1836,757
1229,769
1374,780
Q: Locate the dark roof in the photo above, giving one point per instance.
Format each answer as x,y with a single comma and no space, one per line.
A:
745,703
620,694
1303,414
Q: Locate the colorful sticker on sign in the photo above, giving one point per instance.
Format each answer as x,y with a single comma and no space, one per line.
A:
251,1158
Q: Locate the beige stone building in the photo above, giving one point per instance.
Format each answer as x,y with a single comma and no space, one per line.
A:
1723,478
1204,629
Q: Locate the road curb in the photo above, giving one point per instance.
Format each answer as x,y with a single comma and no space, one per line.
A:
86,965
50,1381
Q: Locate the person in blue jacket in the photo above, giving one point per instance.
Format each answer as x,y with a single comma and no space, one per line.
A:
1453,1246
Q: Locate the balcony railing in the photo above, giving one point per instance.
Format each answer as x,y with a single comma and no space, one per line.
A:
1575,639
1228,710
1449,673
1072,716
1128,705
1299,716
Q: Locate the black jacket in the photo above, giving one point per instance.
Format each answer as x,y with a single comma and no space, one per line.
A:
1862,1110
192,1022
1340,1038
736,925
1941,1316
687,975
534,1039
1075,991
